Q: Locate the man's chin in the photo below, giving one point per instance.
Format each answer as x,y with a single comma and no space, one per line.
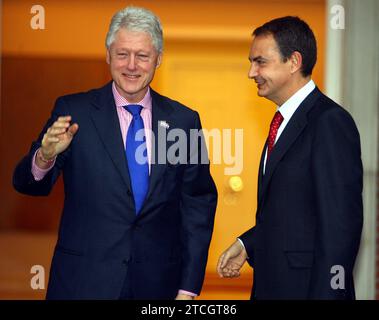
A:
262,93
131,89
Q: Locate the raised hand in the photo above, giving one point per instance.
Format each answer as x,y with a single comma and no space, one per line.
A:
58,137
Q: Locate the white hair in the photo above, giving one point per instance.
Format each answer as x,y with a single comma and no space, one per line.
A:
136,19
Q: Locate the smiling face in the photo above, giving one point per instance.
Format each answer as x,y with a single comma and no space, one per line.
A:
273,76
133,59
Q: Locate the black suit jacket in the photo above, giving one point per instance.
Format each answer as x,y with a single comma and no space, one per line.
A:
309,215
165,247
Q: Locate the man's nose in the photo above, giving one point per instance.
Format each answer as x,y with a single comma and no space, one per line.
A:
131,62
253,71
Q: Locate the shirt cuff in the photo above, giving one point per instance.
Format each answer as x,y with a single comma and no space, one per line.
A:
37,172
187,293
241,242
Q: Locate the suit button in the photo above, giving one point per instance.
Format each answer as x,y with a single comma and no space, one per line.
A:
129,193
125,261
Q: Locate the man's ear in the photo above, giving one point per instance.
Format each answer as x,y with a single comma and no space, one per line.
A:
159,60
296,60
108,56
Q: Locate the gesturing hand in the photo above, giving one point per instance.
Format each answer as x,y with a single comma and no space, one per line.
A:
231,261
58,137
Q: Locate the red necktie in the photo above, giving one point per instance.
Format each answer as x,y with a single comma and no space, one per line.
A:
274,126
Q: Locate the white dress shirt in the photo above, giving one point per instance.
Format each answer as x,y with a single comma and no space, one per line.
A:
288,108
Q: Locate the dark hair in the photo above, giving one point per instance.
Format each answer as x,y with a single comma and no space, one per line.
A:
292,34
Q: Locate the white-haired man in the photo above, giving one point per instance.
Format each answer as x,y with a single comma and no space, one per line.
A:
130,229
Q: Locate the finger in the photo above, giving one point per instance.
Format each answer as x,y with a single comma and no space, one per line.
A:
235,273
52,139
64,118
60,124
47,139
219,263
235,266
225,259
225,271
229,273
56,131
73,129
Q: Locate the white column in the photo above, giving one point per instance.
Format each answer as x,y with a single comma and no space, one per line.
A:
352,78
334,57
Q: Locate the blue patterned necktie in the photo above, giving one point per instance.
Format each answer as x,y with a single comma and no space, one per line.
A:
136,155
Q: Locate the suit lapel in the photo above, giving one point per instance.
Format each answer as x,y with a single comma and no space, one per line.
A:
260,174
293,129
161,112
105,119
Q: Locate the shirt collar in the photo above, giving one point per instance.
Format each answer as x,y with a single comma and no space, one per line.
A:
120,101
288,108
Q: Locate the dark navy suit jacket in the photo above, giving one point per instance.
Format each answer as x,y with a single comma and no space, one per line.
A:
100,239
309,216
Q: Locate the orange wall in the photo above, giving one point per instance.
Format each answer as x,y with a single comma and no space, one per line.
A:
77,28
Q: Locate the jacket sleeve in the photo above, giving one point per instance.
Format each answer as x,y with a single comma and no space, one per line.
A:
198,206
248,239
337,174
23,180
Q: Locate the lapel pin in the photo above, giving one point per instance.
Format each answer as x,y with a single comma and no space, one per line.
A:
164,124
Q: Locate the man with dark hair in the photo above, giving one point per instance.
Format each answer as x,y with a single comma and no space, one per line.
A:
309,214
